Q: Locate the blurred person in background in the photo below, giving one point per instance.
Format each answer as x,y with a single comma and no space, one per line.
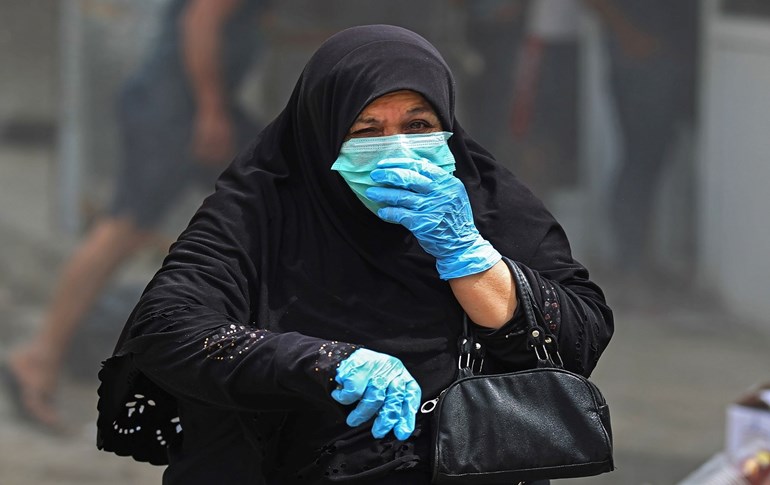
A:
180,123
316,298
494,29
652,61
543,116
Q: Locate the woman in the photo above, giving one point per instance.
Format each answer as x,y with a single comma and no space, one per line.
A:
299,304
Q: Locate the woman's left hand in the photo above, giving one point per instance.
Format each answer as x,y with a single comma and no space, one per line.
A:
384,390
434,206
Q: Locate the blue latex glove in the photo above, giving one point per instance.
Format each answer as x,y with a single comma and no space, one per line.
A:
384,388
434,206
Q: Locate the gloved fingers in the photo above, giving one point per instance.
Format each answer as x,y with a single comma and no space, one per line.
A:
398,215
396,197
404,178
419,223
411,404
353,379
348,393
423,167
390,412
370,403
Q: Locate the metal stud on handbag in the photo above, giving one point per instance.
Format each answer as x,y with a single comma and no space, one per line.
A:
542,423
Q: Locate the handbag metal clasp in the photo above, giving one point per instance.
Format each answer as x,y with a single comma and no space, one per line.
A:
554,358
471,357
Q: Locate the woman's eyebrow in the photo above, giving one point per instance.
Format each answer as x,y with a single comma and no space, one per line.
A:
367,120
419,110
416,110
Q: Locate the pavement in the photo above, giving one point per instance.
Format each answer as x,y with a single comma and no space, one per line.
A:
677,359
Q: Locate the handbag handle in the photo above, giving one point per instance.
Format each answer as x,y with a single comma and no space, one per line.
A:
543,343
471,353
538,337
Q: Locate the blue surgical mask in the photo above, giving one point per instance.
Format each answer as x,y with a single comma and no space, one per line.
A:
359,156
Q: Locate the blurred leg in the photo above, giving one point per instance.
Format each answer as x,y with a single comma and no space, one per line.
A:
36,365
647,99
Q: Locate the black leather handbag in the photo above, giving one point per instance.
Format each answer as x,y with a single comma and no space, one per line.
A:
542,423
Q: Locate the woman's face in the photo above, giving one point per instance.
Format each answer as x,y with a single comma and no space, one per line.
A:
399,112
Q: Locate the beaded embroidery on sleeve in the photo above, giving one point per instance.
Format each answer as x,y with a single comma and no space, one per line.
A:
229,342
329,356
551,308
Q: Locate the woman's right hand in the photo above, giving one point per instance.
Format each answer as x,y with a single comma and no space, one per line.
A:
383,387
433,204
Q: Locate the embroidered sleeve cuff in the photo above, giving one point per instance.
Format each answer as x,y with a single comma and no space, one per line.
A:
329,356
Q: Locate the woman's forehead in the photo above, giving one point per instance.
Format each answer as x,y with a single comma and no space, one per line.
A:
403,99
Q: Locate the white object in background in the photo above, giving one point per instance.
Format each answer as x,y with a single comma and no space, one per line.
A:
554,20
717,471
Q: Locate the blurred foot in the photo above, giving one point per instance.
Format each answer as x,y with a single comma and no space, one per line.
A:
31,383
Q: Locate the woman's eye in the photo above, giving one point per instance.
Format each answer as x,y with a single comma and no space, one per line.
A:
419,125
362,132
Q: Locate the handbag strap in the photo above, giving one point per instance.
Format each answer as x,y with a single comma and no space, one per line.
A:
542,342
539,338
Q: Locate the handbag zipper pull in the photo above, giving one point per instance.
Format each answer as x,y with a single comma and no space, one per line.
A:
428,406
